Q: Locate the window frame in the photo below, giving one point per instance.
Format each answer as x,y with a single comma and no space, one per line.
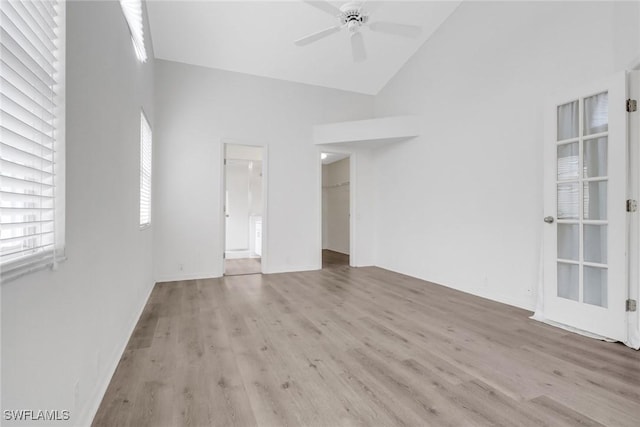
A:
133,11
145,121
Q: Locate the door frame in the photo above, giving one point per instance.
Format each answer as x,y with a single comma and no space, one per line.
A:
353,247
265,202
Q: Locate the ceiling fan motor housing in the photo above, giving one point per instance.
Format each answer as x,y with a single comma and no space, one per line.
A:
352,16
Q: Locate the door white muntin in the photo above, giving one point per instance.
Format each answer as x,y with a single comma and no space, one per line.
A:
585,235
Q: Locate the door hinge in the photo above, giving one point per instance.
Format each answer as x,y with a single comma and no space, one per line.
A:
632,105
631,305
632,205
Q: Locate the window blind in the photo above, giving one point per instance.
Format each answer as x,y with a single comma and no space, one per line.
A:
145,171
29,70
132,10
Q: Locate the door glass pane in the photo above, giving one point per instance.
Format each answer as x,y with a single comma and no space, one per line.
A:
568,200
595,243
595,286
568,241
596,113
568,121
568,281
595,200
568,159
595,157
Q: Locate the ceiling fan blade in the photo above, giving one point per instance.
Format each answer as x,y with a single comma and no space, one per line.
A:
357,47
324,6
317,36
404,30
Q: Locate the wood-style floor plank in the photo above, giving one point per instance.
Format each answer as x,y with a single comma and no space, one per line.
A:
240,266
358,347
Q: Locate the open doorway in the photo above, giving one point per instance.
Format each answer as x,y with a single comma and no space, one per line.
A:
336,209
243,209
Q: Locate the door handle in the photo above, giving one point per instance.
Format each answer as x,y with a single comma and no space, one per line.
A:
548,219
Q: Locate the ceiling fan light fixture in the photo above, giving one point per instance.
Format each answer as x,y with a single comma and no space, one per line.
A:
352,15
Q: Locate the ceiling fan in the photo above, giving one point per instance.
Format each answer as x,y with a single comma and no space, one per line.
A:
353,17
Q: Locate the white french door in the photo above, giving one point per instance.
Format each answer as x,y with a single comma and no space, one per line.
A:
585,237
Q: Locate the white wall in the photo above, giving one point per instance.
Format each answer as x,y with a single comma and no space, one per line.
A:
336,204
197,110
461,205
63,332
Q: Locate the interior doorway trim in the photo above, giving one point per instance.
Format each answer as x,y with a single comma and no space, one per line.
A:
264,258
633,193
353,245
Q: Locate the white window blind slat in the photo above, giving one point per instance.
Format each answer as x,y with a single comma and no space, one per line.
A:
10,225
24,248
13,62
28,157
9,183
17,13
17,52
19,127
13,212
11,92
28,120
21,112
145,170
16,87
13,168
9,197
24,236
50,9
24,40
45,27
45,13
25,86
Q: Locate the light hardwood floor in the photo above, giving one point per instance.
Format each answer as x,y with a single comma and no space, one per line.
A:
236,267
344,346
332,259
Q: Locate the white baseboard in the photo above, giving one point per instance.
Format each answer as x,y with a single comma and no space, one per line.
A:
87,414
290,269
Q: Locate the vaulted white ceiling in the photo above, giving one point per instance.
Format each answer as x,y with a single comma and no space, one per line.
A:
256,37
